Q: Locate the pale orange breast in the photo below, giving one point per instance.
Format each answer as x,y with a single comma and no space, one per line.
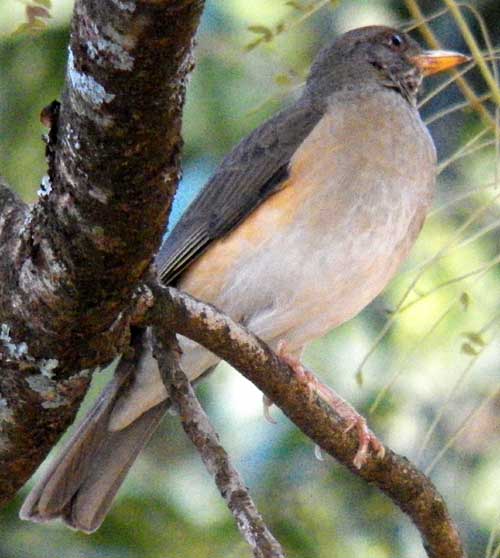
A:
207,276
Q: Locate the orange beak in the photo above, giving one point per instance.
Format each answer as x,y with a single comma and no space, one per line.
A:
433,61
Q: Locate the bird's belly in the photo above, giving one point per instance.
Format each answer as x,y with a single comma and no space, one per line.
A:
318,251
297,291
306,280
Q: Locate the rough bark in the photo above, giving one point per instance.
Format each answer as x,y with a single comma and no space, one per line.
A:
69,265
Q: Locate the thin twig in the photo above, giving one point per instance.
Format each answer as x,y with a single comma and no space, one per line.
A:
410,354
202,434
453,391
469,38
494,394
431,39
420,270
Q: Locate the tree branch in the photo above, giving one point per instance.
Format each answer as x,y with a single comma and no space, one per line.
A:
200,431
69,266
394,475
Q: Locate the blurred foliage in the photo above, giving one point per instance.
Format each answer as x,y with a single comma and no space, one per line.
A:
429,362
37,13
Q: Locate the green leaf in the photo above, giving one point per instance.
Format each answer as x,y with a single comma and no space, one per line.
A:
253,44
360,378
475,338
297,5
44,3
280,28
37,25
468,349
282,79
22,28
465,301
266,33
32,26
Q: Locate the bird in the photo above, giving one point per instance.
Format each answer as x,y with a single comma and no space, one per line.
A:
300,227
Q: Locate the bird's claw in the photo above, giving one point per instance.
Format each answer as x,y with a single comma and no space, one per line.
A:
366,438
267,404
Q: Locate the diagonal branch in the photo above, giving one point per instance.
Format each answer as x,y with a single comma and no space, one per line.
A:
394,475
202,434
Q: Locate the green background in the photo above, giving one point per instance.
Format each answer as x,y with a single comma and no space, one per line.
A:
168,506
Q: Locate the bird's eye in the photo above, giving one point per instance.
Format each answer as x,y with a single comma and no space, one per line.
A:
395,41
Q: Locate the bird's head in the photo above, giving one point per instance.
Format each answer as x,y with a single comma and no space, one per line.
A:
377,56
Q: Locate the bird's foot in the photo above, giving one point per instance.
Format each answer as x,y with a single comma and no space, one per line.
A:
267,404
353,419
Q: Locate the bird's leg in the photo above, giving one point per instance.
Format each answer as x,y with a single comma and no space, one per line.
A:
353,419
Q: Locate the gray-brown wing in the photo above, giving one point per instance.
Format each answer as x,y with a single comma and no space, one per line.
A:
253,171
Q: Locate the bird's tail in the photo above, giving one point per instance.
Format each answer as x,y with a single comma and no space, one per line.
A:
80,484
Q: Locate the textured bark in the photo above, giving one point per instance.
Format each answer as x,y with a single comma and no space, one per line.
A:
394,475
69,265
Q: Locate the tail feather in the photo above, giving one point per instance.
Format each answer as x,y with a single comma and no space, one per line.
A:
81,483
93,499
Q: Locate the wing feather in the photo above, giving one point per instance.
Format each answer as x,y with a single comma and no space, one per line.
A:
256,168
